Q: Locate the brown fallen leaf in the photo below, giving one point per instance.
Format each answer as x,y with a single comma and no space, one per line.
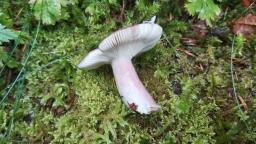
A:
200,29
244,25
246,3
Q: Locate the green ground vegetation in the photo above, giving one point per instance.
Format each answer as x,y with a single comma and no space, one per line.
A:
201,86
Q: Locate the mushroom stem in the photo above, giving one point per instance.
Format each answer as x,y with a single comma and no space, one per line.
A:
131,89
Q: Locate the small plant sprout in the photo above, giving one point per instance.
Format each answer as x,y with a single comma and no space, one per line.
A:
118,49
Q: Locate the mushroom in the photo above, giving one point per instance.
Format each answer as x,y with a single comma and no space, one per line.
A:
118,49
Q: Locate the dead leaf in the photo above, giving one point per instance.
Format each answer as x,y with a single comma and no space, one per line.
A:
200,29
244,25
246,3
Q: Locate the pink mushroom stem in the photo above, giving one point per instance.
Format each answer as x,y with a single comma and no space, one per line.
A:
131,89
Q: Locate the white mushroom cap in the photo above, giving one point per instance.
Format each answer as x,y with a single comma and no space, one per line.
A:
126,42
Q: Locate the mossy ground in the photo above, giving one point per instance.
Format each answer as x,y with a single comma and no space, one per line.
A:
63,104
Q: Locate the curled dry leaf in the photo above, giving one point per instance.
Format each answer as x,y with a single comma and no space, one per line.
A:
199,30
244,25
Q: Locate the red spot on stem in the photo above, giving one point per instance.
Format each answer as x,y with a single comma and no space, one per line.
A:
132,106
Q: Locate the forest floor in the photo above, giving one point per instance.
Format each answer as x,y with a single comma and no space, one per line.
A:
202,74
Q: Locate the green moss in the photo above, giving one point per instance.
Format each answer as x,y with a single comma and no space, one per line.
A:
63,104
78,106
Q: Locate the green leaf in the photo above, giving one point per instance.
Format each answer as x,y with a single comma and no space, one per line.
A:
205,9
6,34
51,11
5,18
48,11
